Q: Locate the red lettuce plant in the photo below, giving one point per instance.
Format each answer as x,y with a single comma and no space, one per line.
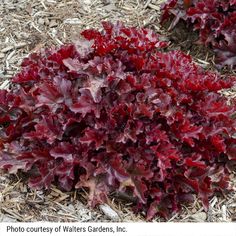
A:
113,112
215,20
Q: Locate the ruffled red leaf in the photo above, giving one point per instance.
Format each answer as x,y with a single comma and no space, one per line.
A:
113,112
213,19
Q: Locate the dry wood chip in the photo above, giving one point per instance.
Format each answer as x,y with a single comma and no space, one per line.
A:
10,55
72,21
157,8
210,215
203,62
199,216
17,46
147,3
214,201
224,212
41,21
109,212
57,191
53,23
60,199
6,49
43,5
8,219
54,194
13,214
35,202
51,1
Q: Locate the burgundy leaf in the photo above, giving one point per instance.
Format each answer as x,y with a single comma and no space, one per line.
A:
213,19
63,150
96,136
112,112
85,104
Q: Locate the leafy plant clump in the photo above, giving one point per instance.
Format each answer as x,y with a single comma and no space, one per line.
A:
114,113
215,20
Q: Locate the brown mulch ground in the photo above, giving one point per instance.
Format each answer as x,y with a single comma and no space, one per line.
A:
26,26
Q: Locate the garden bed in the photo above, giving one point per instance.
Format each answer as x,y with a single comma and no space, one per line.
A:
28,26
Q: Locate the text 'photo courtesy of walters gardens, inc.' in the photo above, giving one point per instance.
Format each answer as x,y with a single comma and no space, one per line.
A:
63,229
66,229
137,229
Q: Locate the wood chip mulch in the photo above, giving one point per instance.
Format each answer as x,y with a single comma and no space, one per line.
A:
26,26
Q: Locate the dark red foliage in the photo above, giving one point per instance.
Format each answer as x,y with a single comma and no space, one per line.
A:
114,113
215,20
